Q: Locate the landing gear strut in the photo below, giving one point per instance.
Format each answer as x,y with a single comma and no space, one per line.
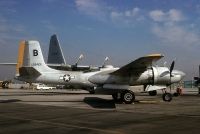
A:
127,96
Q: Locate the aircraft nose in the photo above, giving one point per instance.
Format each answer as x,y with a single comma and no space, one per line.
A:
182,74
177,76
179,73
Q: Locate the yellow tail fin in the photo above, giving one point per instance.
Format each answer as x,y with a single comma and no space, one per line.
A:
20,56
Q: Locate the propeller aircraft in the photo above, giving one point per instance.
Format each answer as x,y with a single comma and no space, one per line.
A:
107,80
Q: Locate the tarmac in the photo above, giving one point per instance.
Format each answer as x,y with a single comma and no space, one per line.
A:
77,112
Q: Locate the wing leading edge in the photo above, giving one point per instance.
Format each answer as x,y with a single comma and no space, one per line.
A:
138,66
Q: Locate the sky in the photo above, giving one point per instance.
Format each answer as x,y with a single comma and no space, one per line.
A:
123,30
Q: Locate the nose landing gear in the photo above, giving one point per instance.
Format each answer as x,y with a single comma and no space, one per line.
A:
166,96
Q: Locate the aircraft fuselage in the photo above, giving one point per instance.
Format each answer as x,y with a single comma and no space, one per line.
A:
155,75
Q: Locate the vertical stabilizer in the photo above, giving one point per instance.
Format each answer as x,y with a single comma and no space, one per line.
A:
33,56
20,56
55,55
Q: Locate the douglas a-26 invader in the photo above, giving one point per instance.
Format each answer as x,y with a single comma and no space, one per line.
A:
106,80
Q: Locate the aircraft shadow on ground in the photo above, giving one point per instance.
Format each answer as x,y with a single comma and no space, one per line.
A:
97,102
9,101
44,93
56,101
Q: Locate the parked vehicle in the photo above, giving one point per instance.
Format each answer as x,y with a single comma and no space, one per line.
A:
42,86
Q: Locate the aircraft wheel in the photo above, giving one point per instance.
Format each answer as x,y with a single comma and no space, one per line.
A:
128,96
117,97
167,97
153,93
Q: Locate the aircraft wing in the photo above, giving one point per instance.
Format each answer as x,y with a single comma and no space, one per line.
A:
28,71
138,66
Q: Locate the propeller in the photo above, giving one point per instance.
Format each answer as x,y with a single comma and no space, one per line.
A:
165,64
105,60
79,58
171,69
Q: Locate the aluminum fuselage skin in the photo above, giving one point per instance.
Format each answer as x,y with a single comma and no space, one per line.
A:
154,75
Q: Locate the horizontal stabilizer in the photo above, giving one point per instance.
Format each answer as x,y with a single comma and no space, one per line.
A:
138,66
28,71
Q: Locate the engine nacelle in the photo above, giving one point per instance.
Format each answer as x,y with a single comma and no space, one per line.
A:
161,75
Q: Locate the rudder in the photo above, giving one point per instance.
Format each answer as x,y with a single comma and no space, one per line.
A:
55,55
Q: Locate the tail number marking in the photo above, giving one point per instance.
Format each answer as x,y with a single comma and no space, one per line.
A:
35,52
36,64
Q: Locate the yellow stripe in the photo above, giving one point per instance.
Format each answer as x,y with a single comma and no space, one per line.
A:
20,56
155,55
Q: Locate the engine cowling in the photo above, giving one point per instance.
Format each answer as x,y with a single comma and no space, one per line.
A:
161,75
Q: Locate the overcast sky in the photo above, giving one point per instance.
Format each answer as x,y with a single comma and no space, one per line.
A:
120,29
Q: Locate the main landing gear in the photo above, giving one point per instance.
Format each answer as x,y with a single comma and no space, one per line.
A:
127,96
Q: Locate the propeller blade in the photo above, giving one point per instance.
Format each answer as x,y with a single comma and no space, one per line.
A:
172,67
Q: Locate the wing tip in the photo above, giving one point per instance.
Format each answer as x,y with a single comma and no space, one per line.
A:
155,55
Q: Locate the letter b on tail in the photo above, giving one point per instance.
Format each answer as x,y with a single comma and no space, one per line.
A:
35,52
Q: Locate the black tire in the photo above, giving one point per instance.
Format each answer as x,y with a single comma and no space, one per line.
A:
128,97
167,97
153,93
